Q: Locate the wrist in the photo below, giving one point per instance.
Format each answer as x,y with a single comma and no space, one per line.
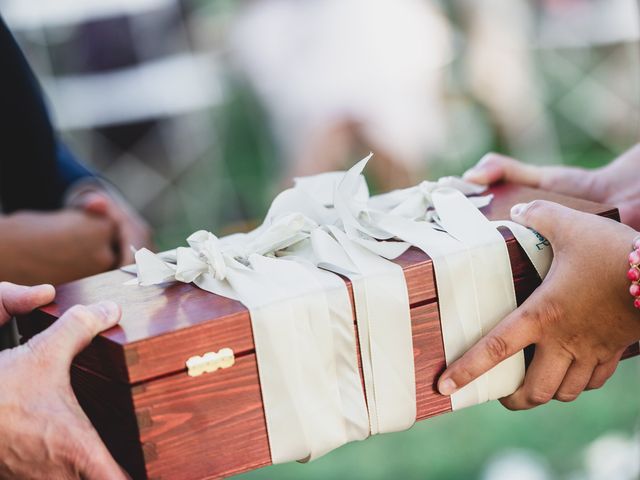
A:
80,188
612,180
574,181
633,274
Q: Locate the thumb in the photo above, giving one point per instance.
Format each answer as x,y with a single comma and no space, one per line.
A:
18,299
547,218
518,330
98,464
75,330
494,167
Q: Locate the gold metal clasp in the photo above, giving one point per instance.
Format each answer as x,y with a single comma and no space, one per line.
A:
210,362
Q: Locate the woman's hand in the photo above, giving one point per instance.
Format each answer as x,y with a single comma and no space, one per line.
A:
616,184
43,431
581,319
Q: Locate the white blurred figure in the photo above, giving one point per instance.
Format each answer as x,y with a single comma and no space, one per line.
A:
339,75
517,464
504,77
587,23
603,98
511,41
613,456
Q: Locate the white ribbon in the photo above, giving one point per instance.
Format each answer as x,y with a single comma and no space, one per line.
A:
473,278
382,309
302,318
537,248
489,271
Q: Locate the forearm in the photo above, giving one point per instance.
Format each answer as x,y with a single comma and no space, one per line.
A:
19,254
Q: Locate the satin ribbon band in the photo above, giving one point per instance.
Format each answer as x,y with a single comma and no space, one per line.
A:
286,273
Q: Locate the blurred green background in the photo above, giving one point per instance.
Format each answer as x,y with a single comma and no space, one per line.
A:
200,111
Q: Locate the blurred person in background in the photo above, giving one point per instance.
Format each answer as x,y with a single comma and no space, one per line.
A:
502,75
132,94
530,73
61,220
335,84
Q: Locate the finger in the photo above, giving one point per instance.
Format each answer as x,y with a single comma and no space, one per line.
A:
18,299
74,330
106,258
542,380
575,381
494,167
547,218
98,464
126,242
603,372
518,330
94,202
107,233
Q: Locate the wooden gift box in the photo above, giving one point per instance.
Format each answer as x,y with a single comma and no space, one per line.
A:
159,422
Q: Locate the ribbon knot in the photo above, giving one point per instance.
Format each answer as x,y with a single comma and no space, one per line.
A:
207,255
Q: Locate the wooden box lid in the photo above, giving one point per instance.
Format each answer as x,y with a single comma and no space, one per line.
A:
162,326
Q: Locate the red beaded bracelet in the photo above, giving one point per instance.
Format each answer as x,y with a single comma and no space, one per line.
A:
634,272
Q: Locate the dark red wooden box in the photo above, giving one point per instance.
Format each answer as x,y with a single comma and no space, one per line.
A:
161,423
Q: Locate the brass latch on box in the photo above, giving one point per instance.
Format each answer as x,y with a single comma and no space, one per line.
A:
210,362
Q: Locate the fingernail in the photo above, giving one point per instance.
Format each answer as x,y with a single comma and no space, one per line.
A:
109,309
45,288
518,209
447,387
477,174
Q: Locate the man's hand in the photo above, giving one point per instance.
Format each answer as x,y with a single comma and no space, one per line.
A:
43,431
132,230
580,319
55,247
616,184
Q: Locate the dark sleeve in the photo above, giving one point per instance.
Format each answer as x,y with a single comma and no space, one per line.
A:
69,167
35,167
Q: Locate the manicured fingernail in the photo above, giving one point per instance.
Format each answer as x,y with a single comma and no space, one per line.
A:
109,309
447,387
518,209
